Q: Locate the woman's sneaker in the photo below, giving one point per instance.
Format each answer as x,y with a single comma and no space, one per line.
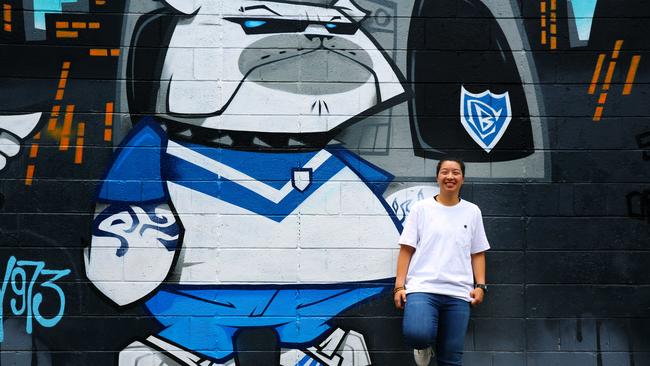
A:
422,356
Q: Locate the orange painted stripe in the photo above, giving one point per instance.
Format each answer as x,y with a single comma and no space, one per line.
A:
7,12
62,25
553,16
78,154
617,48
69,112
553,5
553,29
98,52
594,79
55,110
37,136
66,65
63,79
79,25
108,121
33,151
81,129
93,25
7,27
100,2
598,113
609,75
602,98
553,42
115,52
52,125
79,151
543,21
67,34
29,175
59,94
62,83
67,128
631,74
108,117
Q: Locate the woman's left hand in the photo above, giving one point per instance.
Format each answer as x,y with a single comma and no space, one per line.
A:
477,295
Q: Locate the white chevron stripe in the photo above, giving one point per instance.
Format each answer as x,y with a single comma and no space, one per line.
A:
234,175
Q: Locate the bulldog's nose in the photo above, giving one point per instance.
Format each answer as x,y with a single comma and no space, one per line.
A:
322,37
317,31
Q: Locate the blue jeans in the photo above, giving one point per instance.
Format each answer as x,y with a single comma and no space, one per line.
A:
439,321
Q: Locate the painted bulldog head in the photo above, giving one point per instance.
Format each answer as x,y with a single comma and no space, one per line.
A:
272,66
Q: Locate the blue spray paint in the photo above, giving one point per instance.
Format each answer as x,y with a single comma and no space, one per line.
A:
42,7
583,10
25,301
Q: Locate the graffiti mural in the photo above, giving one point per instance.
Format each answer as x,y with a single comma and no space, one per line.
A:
211,163
215,182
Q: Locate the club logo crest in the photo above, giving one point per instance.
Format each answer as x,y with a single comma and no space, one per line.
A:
301,178
485,116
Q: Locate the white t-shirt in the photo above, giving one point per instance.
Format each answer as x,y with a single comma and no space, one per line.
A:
444,237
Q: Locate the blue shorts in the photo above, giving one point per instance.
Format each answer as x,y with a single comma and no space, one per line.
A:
203,319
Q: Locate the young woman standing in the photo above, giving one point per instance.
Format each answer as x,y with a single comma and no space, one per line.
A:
441,269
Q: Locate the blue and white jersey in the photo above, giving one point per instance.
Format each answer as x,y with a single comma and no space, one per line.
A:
253,217
280,240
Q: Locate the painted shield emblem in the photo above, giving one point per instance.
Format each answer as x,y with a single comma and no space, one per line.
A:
485,116
301,178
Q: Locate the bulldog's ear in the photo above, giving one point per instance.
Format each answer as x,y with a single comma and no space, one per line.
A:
187,7
349,8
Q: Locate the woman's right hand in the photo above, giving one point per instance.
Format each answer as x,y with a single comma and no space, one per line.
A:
403,260
400,299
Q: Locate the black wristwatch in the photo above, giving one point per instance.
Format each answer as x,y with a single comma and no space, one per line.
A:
482,286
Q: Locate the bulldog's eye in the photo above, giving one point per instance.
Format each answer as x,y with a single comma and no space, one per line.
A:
342,28
254,23
263,26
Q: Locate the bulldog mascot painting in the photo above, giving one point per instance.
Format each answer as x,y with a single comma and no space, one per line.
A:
230,208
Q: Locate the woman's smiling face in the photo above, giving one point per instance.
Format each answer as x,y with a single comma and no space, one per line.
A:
450,177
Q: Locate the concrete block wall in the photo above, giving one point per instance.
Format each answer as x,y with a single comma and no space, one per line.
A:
214,182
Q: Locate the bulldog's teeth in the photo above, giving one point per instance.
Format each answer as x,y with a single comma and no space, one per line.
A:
186,133
258,142
223,140
293,142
